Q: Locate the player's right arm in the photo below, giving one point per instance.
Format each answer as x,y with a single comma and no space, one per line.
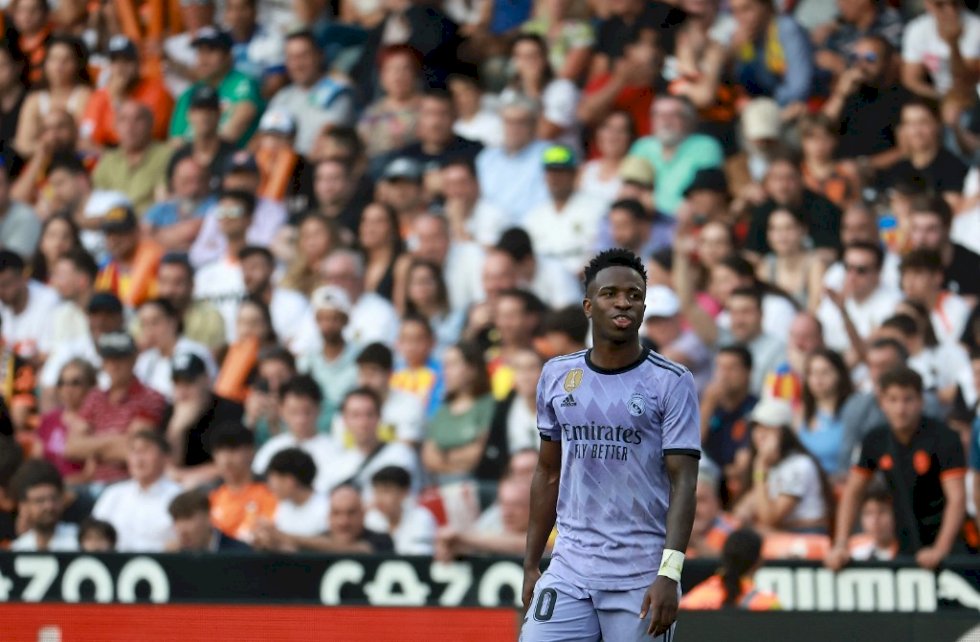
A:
544,506
857,481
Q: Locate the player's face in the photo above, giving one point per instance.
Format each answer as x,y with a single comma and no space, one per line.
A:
616,304
902,407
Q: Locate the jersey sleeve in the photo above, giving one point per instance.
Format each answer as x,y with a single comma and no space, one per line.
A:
975,446
548,426
866,461
681,418
952,461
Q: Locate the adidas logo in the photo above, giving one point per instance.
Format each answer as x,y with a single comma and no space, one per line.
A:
568,402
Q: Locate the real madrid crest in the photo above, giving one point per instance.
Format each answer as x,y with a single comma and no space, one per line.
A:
573,379
636,405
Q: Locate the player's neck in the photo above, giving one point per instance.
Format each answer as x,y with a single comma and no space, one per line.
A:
613,356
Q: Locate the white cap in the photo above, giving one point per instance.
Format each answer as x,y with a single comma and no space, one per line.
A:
330,297
761,119
277,121
661,302
773,412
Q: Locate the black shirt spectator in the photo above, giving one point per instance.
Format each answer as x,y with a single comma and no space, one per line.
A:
946,173
658,17
869,119
963,273
822,219
219,411
458,148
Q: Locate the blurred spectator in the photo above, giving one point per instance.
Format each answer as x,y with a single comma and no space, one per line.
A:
97,125
426,295
40,501
389,123
332,366
75,380
629,225
69,204
287,307
240,501
566,226
317,236
314,98
851,314
544,276
786,380
663,326
599,177
569,38
96,536
366,453
675,151
457,434
826,388
744,306
191,514
238,93
64,84
513,426
501,530
58,236
174,223
191,418
380,240
201,321
629,85
516,319
922,280
563,331
138,167
725,407
788,491
11,457
274,367
773,55
26,309
471,216
181,68
300,401
20,228
58,136
372,317
474,119
929,64
929,228
790,265
257,48
13,89
137,507
761,128
412,528
860,223
107,417
337,197
839,42
299,510
711,526
627,21
402,414
130,271
512,176
420,373
161,341
741,557
877,539
282,171
923,464
835,179
205,145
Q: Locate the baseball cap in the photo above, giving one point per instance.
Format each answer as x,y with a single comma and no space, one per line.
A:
241,161
116,345
211,37
760,119
772,412
205,97
118,219
104,302
661,302
634,169
711,179
330,297
277,121
559,157
402,168
122,47
187,367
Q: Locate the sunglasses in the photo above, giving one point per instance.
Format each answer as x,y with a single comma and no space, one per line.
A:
860,270
868,56
71,383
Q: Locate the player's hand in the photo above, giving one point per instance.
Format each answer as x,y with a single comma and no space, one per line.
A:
531,577
837,558
929,557
660,602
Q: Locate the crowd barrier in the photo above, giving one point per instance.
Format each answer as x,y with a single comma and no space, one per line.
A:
61,597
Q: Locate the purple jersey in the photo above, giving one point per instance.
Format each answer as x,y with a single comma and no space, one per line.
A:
615,427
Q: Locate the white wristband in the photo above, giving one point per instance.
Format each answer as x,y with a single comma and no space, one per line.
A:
671,564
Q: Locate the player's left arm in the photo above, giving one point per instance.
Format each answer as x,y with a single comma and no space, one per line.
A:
682,449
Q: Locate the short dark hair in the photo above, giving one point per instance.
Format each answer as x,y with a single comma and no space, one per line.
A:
616,257
230,436
923,260
440,94
152,437
165,306
188,504
392,476
34,473
67,162
278,353
363,391
570,321
633,207
748,293
178,258
901,377
295,463
256,250
245,199
303,386
739,265
461,161
82,261
304,34
349,138
93,525
905,324
930,106
532,304
418,319
877,491
376,354
740,352
887,343
516,243
10,260
933,204
868,246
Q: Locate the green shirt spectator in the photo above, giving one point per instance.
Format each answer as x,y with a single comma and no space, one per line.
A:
448,430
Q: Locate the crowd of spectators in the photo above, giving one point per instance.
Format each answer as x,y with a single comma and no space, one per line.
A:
283,275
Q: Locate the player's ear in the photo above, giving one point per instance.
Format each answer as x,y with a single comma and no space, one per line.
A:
587,307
